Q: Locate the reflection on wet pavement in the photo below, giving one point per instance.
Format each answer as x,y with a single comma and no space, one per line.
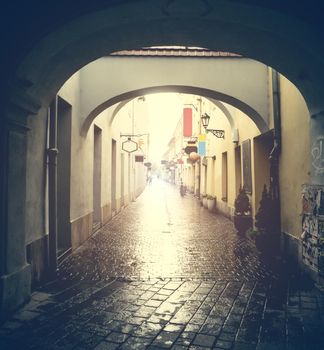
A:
165,235
167,274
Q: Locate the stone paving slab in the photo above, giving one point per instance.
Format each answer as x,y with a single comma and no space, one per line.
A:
184,280
213,315
164,235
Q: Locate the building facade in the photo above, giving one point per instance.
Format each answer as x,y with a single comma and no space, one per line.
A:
242,157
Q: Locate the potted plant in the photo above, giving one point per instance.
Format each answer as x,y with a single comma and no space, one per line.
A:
204,200
211,202
266,223
242,213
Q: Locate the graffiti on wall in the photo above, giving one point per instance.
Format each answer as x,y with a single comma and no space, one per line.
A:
313,227
318,155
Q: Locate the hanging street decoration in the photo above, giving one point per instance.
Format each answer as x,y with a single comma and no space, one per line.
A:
202,137
129,146
139,158
194,157
202,145
202,148
191,147
187,122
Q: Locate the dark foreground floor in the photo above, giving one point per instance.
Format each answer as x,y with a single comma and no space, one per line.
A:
166,273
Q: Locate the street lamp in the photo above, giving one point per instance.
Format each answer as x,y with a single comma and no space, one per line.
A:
205,121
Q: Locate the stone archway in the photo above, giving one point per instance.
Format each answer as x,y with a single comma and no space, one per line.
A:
218,104
214,96
222,26
272,36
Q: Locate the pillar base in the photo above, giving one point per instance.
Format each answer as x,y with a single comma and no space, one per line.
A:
320,283
15,290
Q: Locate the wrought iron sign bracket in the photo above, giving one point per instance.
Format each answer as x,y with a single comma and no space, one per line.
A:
218,133
133,135
190,104
212,157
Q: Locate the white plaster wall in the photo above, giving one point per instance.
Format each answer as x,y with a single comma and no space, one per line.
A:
295,156
36,181
102,121
82,153
215,147
125,123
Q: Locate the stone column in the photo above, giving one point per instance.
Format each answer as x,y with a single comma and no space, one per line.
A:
15,272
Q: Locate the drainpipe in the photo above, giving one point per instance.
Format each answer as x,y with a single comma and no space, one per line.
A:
275,152
52,189
276,109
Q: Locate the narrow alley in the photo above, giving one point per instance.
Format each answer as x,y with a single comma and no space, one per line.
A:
167,273
163,235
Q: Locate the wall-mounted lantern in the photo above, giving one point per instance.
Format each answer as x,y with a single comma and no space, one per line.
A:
216,132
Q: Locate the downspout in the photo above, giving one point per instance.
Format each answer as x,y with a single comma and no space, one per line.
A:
200,160
275,152
52,189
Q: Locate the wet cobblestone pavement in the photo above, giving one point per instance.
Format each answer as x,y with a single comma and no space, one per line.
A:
167,236
167,274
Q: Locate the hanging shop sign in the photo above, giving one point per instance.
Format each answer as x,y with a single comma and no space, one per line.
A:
202,137
187,122
202,148
191,148
129,146
194,157
139,159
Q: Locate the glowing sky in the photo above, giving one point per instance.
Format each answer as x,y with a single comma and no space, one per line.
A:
165,110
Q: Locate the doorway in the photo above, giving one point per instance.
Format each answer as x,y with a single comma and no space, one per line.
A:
97,147
64,117
113,176
122,179
224,177
263,144
238,170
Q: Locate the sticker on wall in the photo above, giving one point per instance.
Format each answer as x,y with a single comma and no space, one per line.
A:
313,227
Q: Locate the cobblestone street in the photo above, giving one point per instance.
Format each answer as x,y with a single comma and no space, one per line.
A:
165,235
167,273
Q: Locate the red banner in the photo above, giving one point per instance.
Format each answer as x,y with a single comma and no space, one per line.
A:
187,122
